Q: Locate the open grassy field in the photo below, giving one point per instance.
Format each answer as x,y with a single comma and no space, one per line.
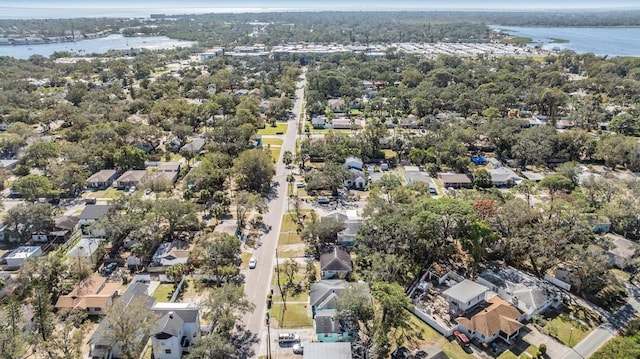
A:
280,128
296,315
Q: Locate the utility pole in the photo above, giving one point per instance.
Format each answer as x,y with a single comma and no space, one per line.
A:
268,336
282,293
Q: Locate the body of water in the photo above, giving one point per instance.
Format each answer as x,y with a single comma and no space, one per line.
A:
91,46
611,41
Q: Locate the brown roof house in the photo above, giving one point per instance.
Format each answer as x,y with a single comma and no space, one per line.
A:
335,263
498,320
455,180
93,294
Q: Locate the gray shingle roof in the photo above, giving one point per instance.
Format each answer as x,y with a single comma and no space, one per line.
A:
322,295
170,323
94,211
327,322
336,260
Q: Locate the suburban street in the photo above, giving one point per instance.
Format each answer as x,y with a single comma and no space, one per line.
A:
605,331
257,282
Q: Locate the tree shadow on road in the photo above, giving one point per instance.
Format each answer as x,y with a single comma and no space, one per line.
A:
244,341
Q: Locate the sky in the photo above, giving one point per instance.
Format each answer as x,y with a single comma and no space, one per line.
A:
291,5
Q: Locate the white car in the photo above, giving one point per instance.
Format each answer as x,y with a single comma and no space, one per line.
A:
298,348
253,262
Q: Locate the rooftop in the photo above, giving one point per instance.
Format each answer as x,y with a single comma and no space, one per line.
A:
23,252
327,350
498,316
132,176
102,176
465,291
92,292
336,260
94,211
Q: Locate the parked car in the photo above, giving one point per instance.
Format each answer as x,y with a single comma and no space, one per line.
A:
288,338
298,348
462,339
109,268
253,262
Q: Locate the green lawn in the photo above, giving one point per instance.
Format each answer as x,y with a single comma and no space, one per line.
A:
565,329
108,193
280,127
507,355
455,351
290,237
163,292
288,223
296,316
272,142
275,154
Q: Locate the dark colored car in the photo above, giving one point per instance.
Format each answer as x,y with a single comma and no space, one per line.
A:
462,339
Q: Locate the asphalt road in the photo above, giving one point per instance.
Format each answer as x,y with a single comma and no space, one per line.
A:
257,281
604,332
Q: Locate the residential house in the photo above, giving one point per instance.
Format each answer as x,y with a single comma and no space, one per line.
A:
464,296
327,350
319,122
455,180
323,294
100,345
194,147
352,223
176,331
622,250
170,253
530,295
102,179
85,252
264,106
355,179
19,256
336,105
504,177
347,237
599,224
413,174
168,171
335,263
354,162
498,320
329,328
64,227
92,294
91,214
131,178
343,123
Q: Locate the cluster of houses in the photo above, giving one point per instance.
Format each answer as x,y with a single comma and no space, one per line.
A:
165,171
335,270
494,306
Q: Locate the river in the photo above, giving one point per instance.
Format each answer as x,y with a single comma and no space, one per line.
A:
97,46
610,41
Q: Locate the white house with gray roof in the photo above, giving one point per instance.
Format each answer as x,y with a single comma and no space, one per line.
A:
176,331
530,295
464,296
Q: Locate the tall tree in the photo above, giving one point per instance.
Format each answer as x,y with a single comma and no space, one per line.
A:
129,325
254,170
